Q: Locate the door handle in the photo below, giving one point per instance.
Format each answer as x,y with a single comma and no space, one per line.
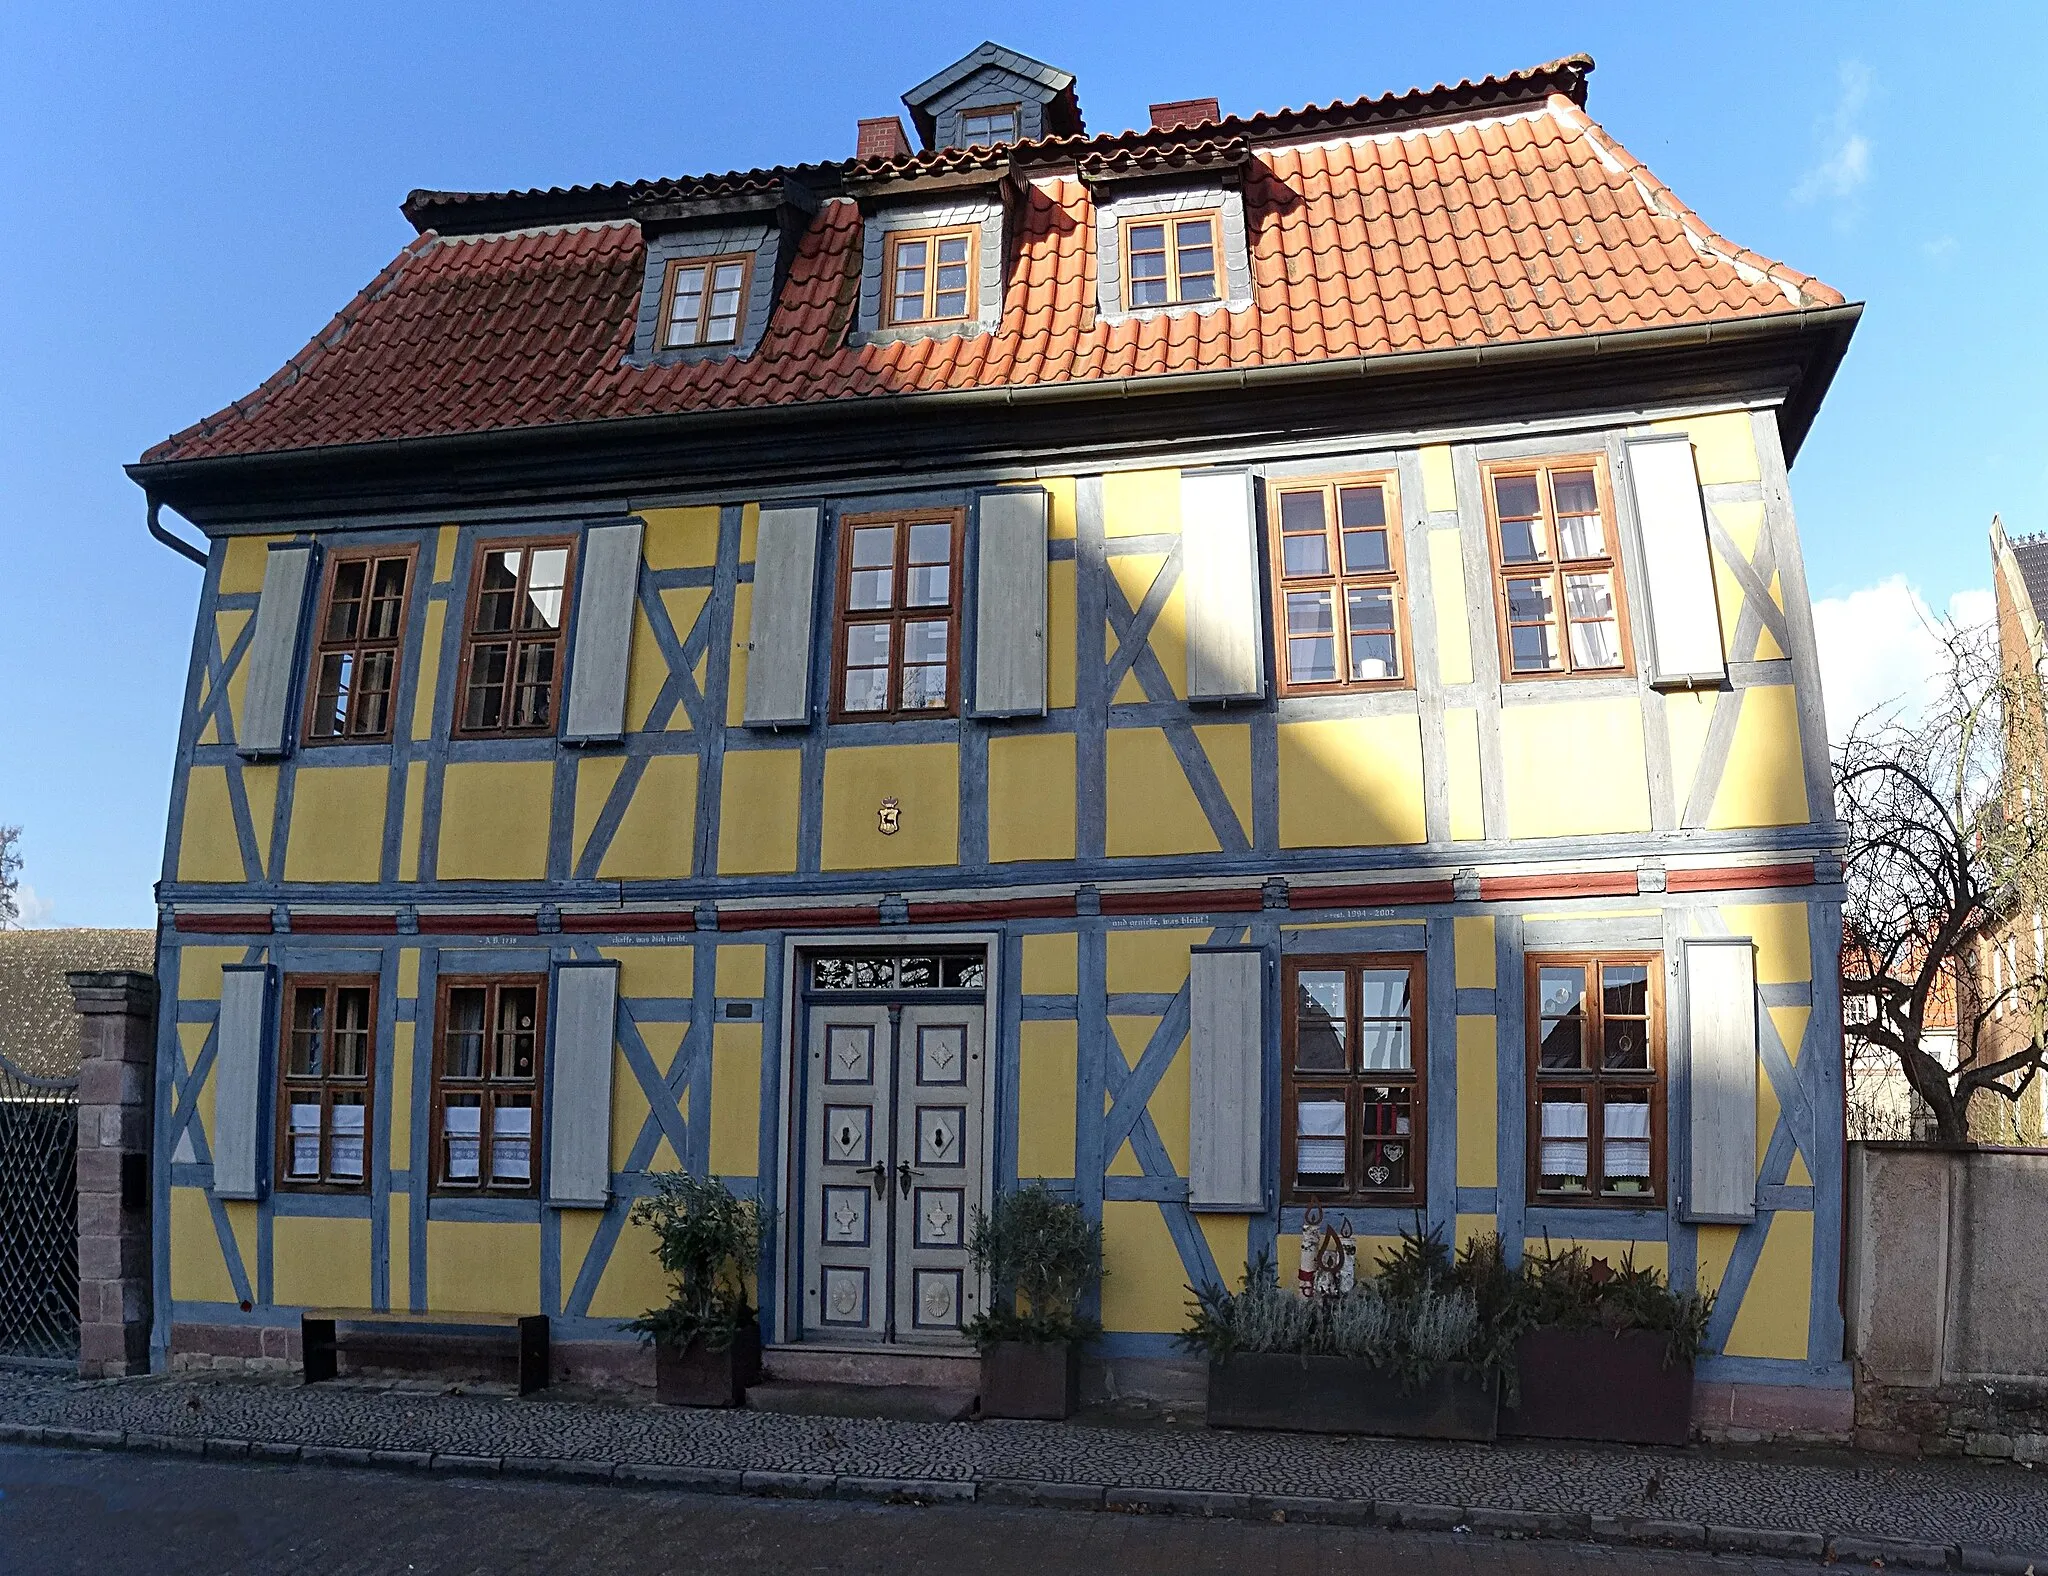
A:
878,1174
904,1172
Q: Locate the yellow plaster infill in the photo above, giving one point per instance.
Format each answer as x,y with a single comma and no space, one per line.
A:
1047,1080
1447,591
1152,808
1790,1023
596,776
410,821
1546,797
1743,523
750,536
923,779
259,786
1051,964
757,820
1764,781
1140,503
482,1267
1648,1255
657,836
199,971
241,569
399,1233
1728,598
680,538
654,970
1150,961
1468,1228
649,671
408,972
1783,956
192,1040
1059,634
1229,748
1169,1105
1772,1321
736,664
1169,636
337,824
1465,778
630,1109
1229,1238
1061,523
208,849
1686,717
632,1281
445,541
1144,1280
1353,783
403,1040
741,970
1478,1102
1767,647
227,626
494,820
320,1262
1723,445
1472,945
1439,481
1715,1246
430,671
1030,796
735,1099
199,1272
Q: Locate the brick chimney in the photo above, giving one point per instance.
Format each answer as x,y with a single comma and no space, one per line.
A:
1181,113
882,138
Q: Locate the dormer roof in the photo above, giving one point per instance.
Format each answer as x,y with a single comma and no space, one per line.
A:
996,75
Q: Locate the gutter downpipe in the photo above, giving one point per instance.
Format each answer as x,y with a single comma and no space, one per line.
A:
177,545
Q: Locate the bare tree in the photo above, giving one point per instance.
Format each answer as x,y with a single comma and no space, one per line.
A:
10,876
1946,810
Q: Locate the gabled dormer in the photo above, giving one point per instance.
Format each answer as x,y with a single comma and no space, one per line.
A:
994,96
717,253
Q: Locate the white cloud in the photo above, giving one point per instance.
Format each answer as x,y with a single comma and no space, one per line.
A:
33,908
1879,650
1842,167
1941,248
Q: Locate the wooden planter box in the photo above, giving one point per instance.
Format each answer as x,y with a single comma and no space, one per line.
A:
1345,1395
1594,1384
698,1376
1031,1379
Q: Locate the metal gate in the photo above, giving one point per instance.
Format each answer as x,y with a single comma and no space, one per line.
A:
38,1216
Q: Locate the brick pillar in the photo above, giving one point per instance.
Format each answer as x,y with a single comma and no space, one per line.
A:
116,1097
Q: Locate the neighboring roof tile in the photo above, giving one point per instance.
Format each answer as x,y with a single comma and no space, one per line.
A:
1526,222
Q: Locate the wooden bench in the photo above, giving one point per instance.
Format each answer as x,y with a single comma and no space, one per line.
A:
321,1345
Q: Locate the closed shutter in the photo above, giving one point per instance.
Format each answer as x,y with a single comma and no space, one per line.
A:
1227,1082
265,726
1009,606
779,634
241,1063
1685,621
1720,993
605,606
580,1085
1220,569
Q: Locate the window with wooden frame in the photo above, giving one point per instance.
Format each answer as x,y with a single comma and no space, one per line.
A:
356,646
1558,570
931,276
327,1056
704,300
487,1084
1354,1094
1596,1079
1338,589
1170,261
512,658
987,125
897,653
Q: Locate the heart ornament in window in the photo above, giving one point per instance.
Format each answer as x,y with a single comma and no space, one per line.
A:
1394,1151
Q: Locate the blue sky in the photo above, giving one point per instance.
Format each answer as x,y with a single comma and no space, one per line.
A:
187,193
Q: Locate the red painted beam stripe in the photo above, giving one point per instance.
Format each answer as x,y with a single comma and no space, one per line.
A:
223,924
1242,900
1587,883
1385,894
993,908
798,918
1739,878
344,924
630,923
479,925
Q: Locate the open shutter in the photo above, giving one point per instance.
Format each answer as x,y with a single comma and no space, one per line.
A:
1220,569
241,1060
779,634
265,726
1720,993
1227,1084
1009,606
1685,620
580,1085
605,605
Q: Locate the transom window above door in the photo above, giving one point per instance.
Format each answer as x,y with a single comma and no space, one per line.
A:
1558,571
899,600
1337,548
1352,1047
1171,261
703,301
965,969
931,277
512,659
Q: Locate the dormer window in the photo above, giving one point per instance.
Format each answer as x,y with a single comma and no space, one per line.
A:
1171,261
988,126
703,300
931,276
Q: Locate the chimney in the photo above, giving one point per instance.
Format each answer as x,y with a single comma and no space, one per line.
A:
1183,113
882,138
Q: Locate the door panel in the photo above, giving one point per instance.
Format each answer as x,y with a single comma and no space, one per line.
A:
847,1136
939,1169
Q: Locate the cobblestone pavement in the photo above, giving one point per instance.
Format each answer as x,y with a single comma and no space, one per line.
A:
111,1515
1990,1508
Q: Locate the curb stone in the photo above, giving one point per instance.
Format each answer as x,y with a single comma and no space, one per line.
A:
1762,1540
470,1466
1428,1518
1895,1551
1313,1508
795,1485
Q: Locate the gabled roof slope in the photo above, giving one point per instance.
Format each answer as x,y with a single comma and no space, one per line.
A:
1515,223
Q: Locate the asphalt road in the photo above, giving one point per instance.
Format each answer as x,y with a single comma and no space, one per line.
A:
108,1514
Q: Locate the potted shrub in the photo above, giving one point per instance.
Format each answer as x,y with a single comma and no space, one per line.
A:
1604,1353
707,1339
1042,1255
1403,1351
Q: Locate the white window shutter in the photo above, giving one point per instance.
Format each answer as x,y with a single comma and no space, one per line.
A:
1220,570
1720,1016
1685,620
1227,1079
779,633
241,1067
606,601
1009,606
580,1085
265,726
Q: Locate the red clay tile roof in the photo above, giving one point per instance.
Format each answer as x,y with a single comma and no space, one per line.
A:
1517,224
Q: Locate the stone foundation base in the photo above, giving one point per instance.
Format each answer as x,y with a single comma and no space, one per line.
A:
1749,1414
266,1349
2006,1419
1171,1381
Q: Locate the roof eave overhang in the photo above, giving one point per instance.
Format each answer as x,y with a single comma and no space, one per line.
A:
1789,356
